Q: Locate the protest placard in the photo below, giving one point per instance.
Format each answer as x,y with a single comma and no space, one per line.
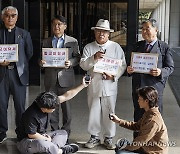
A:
54,57
9,52
107,65
143,62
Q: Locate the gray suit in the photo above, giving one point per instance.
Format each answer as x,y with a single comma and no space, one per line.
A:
14,81
165,63
60,80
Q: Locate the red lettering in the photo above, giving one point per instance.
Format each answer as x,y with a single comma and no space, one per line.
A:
5,49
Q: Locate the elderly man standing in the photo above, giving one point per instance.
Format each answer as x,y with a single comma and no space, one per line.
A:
102,91
157,76
14,76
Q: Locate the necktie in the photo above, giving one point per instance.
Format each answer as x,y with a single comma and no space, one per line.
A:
148,47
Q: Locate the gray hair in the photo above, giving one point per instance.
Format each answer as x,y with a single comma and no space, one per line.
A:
152,21
9,8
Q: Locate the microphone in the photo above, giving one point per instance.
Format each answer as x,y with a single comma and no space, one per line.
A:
102,50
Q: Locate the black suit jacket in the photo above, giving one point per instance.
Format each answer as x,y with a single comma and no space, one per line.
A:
165,63
25,52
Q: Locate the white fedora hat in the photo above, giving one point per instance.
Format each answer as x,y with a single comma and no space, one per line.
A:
103,24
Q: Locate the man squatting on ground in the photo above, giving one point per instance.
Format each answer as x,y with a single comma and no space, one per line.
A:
32,134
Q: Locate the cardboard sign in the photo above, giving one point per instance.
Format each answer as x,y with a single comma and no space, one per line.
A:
54,57
143,62
9,52
108,65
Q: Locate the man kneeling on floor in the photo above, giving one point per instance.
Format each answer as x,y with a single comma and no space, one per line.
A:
32,134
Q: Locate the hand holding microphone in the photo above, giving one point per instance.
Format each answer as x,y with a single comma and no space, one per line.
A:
100,54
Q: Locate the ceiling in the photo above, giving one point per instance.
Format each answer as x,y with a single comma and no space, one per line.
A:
148,4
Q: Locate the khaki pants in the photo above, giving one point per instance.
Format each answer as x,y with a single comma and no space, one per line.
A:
101,106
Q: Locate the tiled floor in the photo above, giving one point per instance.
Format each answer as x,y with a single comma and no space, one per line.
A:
124,109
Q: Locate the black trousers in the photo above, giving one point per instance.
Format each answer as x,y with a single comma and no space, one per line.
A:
11,85
66,112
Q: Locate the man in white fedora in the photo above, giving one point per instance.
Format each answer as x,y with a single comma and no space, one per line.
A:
102,91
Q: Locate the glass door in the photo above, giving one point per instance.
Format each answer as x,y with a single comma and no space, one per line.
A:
82,15
116,13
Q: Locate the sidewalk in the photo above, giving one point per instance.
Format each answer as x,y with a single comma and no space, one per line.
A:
174,79
124,109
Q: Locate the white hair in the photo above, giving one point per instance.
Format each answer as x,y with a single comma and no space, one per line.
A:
9,8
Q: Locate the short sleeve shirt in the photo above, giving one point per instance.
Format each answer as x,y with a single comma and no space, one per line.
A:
33,121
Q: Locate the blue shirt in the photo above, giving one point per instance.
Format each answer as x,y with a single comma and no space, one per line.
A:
58,42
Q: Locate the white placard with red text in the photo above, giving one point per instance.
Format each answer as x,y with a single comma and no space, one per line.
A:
9,52
143,62
108,65
54,57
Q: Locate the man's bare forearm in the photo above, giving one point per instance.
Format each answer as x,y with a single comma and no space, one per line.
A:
71,93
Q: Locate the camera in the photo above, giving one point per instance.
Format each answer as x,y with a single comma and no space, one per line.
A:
87,78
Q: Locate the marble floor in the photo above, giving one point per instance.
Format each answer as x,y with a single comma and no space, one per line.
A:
124,109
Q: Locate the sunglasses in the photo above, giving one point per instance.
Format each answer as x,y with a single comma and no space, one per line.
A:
10,15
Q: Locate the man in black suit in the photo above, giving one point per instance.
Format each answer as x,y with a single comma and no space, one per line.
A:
157,77
14,76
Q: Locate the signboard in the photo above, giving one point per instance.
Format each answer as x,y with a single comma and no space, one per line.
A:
143,62
9,52
108,65
54,57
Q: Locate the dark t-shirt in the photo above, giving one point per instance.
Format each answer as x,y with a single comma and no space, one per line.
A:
33,121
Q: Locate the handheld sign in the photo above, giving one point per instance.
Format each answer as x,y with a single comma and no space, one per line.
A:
143,62
9,52
108,65
54,57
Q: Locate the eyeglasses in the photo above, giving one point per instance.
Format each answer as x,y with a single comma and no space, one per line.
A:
98,31
58,24
10,15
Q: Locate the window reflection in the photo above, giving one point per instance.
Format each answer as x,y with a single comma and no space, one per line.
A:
81,20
